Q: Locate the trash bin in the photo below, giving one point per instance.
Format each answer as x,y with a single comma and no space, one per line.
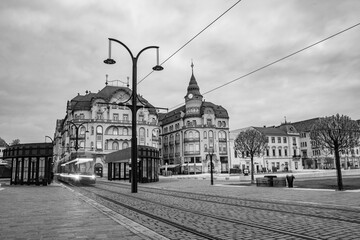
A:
290,180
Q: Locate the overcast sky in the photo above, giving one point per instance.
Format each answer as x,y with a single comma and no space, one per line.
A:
53,50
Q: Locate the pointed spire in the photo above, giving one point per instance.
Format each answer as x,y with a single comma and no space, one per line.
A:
192,67
193,87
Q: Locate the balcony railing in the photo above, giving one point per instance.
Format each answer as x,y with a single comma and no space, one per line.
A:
192,139
117,121
192,152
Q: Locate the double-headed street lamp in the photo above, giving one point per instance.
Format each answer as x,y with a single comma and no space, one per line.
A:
211,153
134,106
77,127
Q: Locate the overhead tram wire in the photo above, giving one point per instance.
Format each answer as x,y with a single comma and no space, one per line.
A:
276,61
167,59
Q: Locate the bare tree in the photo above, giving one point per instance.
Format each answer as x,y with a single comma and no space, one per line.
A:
15,142
338,134
253,142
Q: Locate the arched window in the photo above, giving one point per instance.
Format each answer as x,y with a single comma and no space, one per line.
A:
115,146
125,145
205,134
99,132
211,139
142,136
115,131
125,131
191,135
82,130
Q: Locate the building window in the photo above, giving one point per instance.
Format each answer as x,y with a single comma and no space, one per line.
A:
115,131
82,116
115,116
208,122
126,117
272,139
142,136
273,151
205,134
115,146
99,132
285,152
279,139
284,139
125,145
279,152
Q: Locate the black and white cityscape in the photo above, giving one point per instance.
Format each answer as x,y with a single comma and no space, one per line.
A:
180,120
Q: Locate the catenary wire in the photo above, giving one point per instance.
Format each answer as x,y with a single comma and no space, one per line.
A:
167,59
276,61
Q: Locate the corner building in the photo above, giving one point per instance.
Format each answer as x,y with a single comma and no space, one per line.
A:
100,123
192,131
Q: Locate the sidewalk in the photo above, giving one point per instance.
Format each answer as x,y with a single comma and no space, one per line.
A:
54,212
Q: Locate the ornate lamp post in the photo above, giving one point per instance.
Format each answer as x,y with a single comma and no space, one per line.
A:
134,106
77,127
210,154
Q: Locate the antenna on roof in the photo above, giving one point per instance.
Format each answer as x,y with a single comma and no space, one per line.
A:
106,82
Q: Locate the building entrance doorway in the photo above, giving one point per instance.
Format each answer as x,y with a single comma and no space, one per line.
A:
98,169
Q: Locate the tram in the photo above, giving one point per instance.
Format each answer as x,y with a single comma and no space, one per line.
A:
78,171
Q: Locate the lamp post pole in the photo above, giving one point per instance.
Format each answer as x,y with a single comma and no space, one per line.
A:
134,106
211,153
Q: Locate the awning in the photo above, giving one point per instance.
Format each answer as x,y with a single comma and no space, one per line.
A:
83,160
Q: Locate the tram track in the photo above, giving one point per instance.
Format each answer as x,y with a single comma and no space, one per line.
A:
221,220
293,208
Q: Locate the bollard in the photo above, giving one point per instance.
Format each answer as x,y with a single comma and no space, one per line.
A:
290,180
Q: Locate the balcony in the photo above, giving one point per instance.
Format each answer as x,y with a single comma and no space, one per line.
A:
192,139
192,152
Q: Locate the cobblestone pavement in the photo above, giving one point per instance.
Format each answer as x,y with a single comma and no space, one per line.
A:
55,212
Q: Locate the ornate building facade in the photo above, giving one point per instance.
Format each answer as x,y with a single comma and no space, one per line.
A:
282,152
96,124
192,131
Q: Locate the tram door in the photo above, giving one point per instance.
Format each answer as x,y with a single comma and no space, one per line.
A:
98,170
33,170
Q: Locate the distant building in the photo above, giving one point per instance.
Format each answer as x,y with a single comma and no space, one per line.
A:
5,166
314,157
193,130
281,154
3,146
100,126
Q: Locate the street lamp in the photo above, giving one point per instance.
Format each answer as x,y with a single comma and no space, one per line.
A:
134,106
52,141
77,127
211,153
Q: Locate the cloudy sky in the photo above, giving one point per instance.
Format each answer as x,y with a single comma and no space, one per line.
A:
53,50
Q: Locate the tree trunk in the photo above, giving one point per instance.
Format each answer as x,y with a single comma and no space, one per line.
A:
252,169
338,168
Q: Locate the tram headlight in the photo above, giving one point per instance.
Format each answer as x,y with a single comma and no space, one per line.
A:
76,177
